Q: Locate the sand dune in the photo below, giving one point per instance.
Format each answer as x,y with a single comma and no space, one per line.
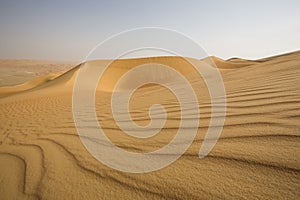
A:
10,90
256,156
14,72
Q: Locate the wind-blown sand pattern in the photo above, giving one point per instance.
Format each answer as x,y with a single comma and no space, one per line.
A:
257,155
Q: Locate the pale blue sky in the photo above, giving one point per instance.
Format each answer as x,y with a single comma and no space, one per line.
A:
68,30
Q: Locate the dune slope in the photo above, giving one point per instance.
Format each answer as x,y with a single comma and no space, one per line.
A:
256,156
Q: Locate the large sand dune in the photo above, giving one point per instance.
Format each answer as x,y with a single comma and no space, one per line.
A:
257,155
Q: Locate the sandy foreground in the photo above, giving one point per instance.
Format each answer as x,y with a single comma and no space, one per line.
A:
256,157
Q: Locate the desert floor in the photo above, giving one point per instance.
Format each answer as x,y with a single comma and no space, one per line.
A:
256,157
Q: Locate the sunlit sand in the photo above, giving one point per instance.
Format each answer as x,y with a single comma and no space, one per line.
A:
257,155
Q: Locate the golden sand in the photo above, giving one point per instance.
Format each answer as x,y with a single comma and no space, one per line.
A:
257,155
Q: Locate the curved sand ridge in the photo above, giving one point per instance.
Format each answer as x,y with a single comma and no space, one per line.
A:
256,156
13,72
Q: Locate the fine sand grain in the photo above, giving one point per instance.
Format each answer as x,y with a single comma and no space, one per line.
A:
256,157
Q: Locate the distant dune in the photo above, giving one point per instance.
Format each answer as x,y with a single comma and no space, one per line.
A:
14,72
256,157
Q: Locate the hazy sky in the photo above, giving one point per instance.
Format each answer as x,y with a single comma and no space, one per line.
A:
68,30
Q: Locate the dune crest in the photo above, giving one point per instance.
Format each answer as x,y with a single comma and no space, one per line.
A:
256,156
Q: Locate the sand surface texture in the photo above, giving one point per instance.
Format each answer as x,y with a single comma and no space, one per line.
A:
257,155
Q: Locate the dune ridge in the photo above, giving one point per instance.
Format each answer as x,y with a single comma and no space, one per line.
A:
256,156
15,72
